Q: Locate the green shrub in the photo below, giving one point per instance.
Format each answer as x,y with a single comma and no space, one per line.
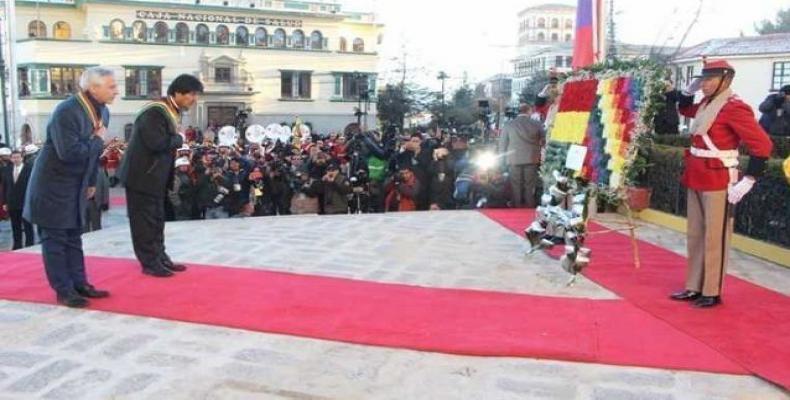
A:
762,214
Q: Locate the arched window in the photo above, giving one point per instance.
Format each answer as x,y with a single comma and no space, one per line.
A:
161,32
541,37
61,30
343,44
541,22
297,39
242,36
568,24
202,34
555,37
567,37
182,33
555,23
316,40
359,45
139,31
36,29
223,34
279,38
261,37
116,29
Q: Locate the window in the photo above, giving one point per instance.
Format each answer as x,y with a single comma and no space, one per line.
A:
242,36
555,37
541,37
36,29
567,37
568,24
161,32
144,82
568,61
359,45
261,37
64,80
297,39
279,38
182,33
351,86
223,34
116,29
316,40
61,30
781,75
343,45
202,34
222,74
541,22
139,31
24,83
558,61
295,84
555,23
689,73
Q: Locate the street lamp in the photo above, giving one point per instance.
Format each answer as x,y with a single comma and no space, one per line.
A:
442,77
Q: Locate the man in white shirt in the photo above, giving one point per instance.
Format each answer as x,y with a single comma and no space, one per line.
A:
15,179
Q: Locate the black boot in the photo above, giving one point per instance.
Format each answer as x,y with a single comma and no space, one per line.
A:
707,301
72,300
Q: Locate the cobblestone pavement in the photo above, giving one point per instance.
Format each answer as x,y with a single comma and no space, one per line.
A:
57,353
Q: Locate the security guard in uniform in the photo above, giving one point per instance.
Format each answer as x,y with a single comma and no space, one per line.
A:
722,122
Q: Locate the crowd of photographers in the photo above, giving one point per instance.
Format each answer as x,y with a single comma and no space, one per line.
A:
337,174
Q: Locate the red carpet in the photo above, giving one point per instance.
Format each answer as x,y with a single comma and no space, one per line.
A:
117,201
752,327
442,320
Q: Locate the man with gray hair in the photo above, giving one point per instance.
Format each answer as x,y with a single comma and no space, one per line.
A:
64,178
521,144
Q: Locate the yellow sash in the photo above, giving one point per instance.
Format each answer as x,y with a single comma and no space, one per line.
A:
88,107
166,108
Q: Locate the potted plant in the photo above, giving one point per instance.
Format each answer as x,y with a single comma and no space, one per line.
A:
637,192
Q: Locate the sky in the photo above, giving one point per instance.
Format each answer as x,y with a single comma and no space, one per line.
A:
476,39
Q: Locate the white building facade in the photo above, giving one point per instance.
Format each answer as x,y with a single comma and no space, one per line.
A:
762,64
545,43
277,59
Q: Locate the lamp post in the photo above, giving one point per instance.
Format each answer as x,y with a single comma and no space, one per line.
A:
442,77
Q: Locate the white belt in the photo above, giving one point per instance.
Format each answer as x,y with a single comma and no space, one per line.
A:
727,157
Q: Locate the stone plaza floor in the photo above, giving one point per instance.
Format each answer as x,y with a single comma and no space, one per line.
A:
54,352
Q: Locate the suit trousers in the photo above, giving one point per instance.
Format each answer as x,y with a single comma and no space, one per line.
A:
524,181
709,231
18,227
92,216
64,261
147,223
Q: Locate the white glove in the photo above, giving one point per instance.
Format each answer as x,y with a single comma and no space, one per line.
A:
693,87
736,192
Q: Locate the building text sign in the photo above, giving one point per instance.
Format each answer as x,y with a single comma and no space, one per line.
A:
220,18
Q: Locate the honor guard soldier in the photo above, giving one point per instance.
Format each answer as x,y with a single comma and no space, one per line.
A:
722,122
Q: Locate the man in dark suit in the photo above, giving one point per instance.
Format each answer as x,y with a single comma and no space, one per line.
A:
147,171
15,179
64,178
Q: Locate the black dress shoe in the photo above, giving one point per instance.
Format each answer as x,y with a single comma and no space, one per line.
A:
176,267
707,301
91,292
72,300
159,272
686,295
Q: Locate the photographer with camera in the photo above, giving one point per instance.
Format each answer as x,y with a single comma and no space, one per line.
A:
238,179
182,194
776,112
418,159
402,189
442,180
306,190
277,195
216,190
336,188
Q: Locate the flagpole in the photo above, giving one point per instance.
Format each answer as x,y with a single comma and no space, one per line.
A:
601,28
10,38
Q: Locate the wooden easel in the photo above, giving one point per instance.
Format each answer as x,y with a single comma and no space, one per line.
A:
630,226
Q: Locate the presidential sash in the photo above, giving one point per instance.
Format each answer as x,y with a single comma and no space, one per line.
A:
167,108
95,118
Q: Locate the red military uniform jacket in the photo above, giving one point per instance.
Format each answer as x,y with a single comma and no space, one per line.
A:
735,124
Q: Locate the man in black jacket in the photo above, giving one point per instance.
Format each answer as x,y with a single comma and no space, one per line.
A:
147,172
15,178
